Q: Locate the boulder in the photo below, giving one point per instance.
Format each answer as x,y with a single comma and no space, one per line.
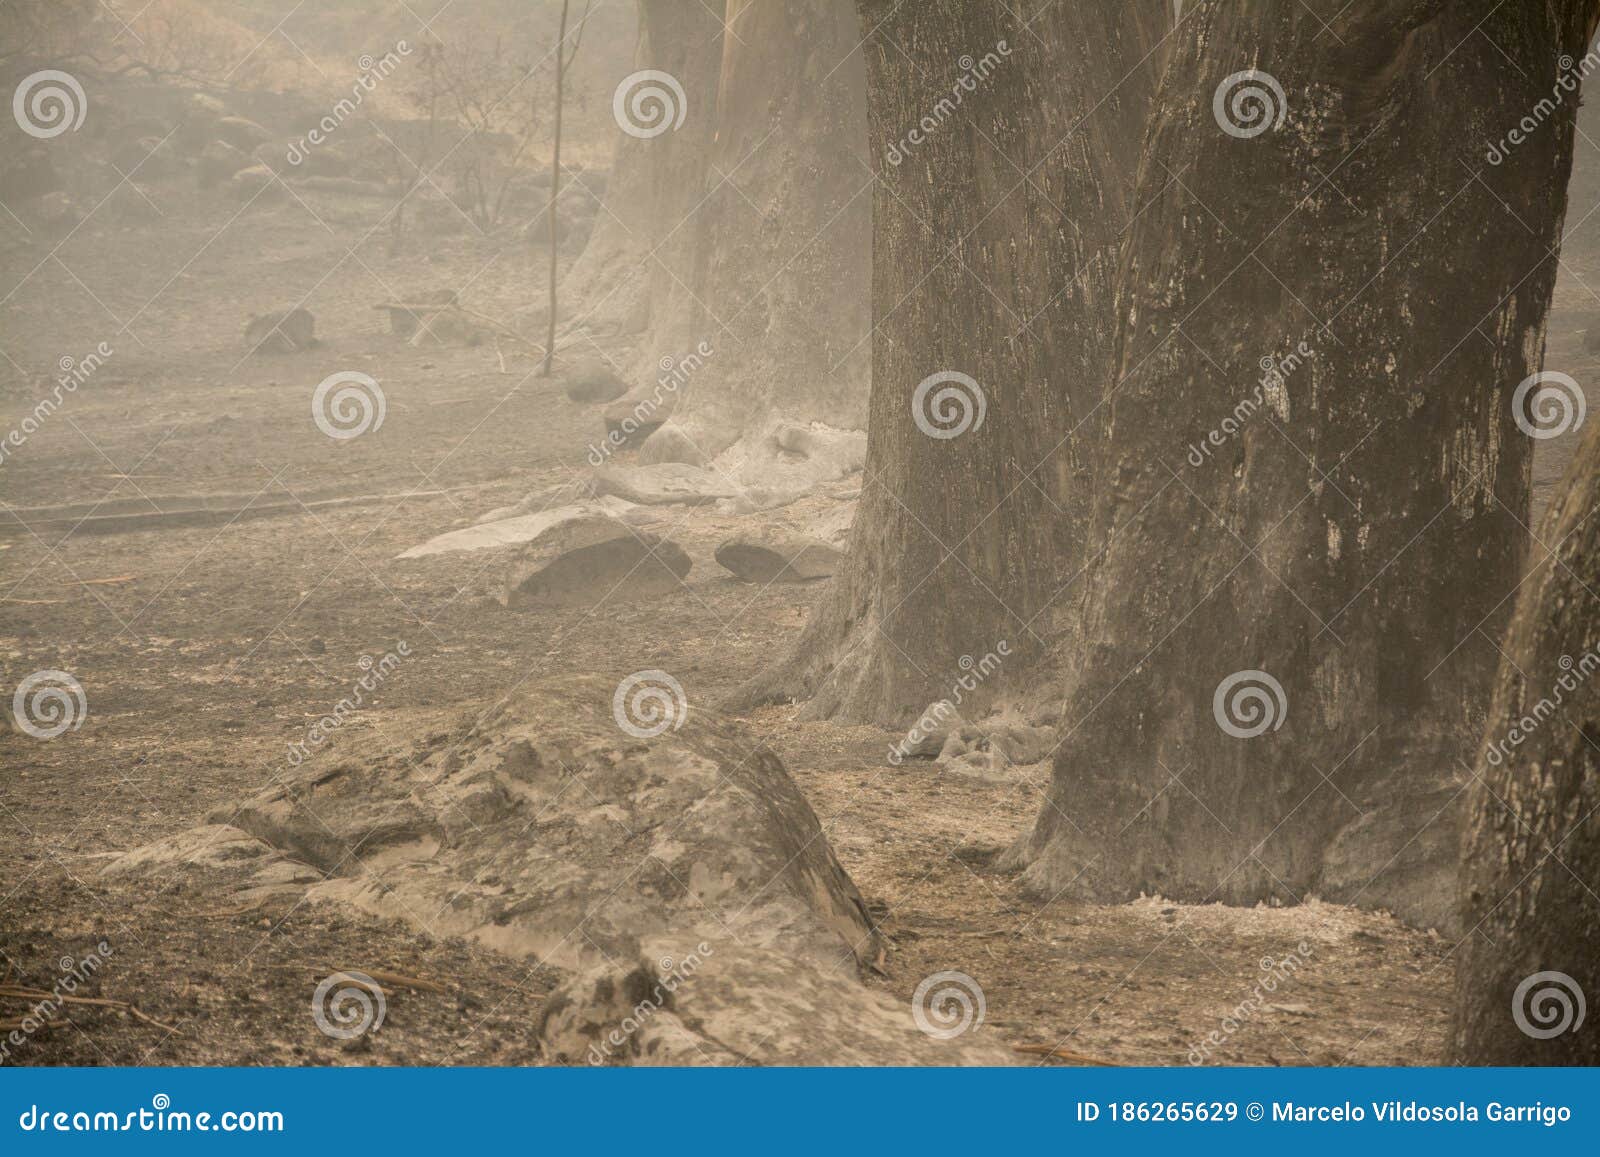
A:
666,483
282,332
450,326
774,555
653,850
632,418
241,132
406,314
255,183
588,558
509,526
594,382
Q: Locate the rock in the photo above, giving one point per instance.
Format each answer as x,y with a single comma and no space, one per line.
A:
774,555
406,314
930,732
665,483
241,133
985,766
204,104
450,326
283,332
682,879
594,382
586,559
513,529
632,418
256,183
735,1004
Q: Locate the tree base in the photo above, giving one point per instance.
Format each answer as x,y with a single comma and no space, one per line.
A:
1398,854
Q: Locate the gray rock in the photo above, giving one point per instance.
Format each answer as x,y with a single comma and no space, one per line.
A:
241,132
256,183
682,879
663,484
775,555
594,382
591,558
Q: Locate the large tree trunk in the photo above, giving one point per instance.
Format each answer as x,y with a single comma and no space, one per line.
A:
1290,640
787,233
1005,158
1530,868
622,281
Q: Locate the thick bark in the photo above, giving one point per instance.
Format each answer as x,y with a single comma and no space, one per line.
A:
622,280
786,231
1530,868
1343,521
1005,158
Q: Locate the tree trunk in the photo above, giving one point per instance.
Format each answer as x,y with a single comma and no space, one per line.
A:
787,231
1530,868
1005,158
555,192
621,279
1315,499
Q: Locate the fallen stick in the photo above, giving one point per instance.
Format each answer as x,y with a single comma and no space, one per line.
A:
1056,1052
17,992
376,975
106,582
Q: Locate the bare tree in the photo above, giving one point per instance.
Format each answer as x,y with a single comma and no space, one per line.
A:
563,57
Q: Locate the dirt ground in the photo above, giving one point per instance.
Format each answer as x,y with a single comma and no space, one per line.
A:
205,649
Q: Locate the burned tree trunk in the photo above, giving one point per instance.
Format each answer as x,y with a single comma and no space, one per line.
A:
1005,158
786,228
1530,866
621,281
1316,487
